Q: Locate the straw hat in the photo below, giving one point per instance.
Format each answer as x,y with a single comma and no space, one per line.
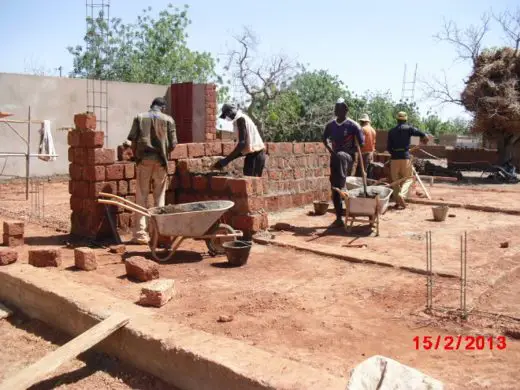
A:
364,118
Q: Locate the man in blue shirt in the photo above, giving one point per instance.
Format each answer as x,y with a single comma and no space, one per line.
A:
399,140
342,132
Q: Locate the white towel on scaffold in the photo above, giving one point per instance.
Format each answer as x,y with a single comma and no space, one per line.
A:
46,142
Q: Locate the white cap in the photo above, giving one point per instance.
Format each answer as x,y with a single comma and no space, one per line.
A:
340,101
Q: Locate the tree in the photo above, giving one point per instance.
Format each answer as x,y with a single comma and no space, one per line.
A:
260,81
152,50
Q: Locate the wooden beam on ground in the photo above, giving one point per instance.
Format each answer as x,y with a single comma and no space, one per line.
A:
39,370
4,312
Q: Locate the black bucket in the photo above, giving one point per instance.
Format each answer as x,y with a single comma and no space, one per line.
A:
237,252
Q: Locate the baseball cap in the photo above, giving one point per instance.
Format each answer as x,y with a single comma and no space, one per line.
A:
226,109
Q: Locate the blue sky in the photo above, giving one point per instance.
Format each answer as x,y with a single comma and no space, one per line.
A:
366,43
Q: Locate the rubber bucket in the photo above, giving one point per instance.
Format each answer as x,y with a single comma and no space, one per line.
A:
320,207
237,252
440,213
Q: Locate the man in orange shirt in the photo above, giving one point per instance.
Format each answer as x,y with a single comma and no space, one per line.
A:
370,143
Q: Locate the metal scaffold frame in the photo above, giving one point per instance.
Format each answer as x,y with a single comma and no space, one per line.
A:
97,85
28,155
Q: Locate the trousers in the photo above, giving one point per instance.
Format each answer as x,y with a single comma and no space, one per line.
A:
339,170
254,164
399,169
149,172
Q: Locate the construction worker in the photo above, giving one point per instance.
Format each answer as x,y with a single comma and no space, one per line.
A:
399,140
343,132
369,148
153,137
249,144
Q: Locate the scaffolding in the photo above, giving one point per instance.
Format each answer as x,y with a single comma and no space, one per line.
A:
98,14
28,155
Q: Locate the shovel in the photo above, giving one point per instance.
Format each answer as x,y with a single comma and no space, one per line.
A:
362,167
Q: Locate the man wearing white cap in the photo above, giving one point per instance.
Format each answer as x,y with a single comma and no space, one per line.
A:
370,143
342,132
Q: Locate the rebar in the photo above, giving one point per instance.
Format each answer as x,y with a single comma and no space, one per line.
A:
429,272
463,275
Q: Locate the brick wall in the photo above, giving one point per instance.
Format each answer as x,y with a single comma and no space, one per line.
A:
471,159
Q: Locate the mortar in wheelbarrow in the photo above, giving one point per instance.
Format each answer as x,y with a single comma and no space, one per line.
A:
189,219
353,182
384,195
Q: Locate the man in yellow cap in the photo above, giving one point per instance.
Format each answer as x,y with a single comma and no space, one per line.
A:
399,140
369,147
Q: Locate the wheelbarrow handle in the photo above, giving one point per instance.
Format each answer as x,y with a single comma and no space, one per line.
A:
125,206
123,200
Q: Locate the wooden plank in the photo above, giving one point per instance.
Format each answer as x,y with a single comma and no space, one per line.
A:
4,312
39,370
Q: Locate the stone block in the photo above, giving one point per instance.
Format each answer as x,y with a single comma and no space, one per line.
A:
45,257
157,293
13,241
85,259
141,269
8,256
14,228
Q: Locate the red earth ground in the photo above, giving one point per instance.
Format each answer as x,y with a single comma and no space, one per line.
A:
334,314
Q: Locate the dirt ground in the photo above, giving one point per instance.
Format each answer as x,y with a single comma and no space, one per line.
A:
333,314
24,341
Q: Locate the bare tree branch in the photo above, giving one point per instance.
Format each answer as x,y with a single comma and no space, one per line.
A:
467,42
510,23
440,90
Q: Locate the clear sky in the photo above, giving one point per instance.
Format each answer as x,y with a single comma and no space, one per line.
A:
366,43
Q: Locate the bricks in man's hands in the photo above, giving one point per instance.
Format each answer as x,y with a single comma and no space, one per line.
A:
45,257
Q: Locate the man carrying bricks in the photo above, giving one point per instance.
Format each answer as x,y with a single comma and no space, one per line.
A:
370,145
153,137
343,133
249,144
399,140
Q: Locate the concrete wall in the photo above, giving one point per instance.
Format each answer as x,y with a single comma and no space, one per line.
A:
58,99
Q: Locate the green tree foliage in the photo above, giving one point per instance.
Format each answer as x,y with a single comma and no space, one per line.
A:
152,50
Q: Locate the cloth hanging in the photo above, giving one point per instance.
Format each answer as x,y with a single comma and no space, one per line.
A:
46,142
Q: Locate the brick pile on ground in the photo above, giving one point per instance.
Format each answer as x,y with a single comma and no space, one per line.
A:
8,256
157,293
85,259
45,257
13,234
141,269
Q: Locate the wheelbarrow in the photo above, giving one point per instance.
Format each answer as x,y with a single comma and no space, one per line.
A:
357,209
196,220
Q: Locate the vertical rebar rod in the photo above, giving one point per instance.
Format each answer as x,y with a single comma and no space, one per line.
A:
43,201
465,269
431,270
28,156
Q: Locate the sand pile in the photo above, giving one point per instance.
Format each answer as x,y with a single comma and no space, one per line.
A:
493,91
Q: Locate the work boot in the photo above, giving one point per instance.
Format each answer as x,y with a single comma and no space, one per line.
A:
338,223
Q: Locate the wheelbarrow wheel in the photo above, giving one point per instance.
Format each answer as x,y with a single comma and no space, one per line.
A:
214,245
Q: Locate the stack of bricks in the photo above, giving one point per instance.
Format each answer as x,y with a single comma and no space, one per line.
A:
210,105
471,159
13,234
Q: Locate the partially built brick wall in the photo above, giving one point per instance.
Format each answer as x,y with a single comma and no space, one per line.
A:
295,175
471,159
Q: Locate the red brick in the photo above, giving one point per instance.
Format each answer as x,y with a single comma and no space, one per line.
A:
272,203
185,180
298,148
141,269
320,148
76,204
122,187
130,198
249,223
85,259
285,202
71,155
101,156
80,156
213,149
195,150
85,121
75,172
227,148
241,185
13,241
14,228
94,173
45,257
103,186
80,189
274,174
298,200
219,183
92,139
115,172
8,256
180,152
172,167
74,138
299,173
129,171
258,185
200,183
279,148
210,137
309,147
313,161
190,165
125,153
132,186
287,174
157,293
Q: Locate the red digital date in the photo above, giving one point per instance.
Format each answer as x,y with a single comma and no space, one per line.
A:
457,343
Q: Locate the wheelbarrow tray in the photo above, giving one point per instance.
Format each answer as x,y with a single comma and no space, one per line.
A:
353,182
189,219
358,203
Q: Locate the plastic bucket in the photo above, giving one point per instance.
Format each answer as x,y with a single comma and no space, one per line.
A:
237,252
440,213
320,207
